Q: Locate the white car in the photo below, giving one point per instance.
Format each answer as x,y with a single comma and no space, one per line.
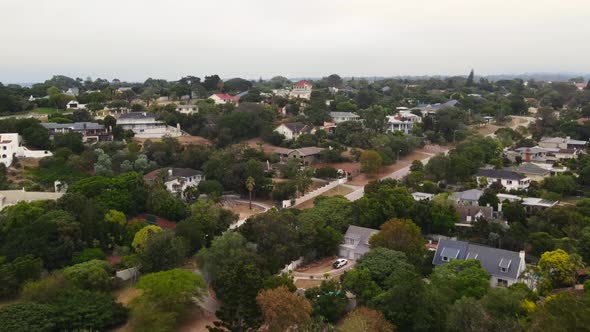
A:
340,263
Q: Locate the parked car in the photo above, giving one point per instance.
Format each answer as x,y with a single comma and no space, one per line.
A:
340,263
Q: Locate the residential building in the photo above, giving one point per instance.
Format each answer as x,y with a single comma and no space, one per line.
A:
508,179
419,196
13,197
356,242
504,267
307,155
468,214
74,105
11,146
532,171
302,90
293,130
541,155
403,121
562,143
429,109
467,197
339,117
530,204
224,98
91,132
72,92
187,109
145,125
580,86
176,180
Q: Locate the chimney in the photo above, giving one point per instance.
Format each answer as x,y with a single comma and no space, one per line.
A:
521,255
170,172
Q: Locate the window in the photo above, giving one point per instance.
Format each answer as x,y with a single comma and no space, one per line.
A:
445,259
4,148
502,282
509,181
503,269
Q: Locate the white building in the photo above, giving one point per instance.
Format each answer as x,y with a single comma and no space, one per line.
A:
302,90
177,180
74,105
11,146
403,121
339,117
224,98
508,179
292,130
187,109
145,125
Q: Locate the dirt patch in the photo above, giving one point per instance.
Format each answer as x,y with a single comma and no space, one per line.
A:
183,140
243,209
320,266
126,295
363,179
258,143
338,190
196,320
307,283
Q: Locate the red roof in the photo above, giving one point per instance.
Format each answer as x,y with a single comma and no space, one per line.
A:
302,83
226,96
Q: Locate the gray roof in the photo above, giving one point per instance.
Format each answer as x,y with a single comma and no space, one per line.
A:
500,174
472,210
343,114
73,126
137,115
361,235
296,127
468,195
492,259
529,168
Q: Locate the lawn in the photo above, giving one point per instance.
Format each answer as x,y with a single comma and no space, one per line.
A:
47,110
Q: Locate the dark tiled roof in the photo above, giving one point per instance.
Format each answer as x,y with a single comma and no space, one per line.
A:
296,127
492,259
529,168
176,172
73,126
500,174
136,115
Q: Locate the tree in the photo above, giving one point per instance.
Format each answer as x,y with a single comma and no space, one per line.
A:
402,235
250,183
16,273
359,282
562,312
172,289
91,275
141,237
561,184
371,162
328,300
282,309
163,203
461,278
28,316
558,268
382,262
469,82
162,251
364,319
467,315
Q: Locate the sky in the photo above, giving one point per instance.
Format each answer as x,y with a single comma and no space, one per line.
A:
136,39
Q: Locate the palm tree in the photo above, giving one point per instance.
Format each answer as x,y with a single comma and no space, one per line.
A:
250,186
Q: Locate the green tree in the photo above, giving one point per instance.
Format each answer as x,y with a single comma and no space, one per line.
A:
91,275
401,235
141,237
163,203
28,316
467,315
250,184
371,162
382,262
359,282
172,289
162,251
364,319
282,309
328,300
461,278
558,268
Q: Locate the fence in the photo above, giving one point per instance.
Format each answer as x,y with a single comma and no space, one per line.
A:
313,194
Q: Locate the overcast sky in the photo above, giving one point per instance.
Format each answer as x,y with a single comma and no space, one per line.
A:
136,39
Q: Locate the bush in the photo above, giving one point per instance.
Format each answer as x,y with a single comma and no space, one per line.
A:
88,254
326,173
92,275
25,317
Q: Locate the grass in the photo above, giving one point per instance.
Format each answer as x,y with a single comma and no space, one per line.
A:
47,110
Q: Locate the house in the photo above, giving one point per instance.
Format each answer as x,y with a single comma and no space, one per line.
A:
281,92
429,109
12,197
508,179
468,214
504,267
562,143
91,132
403,121
530,204
145,125
339,117
176,180
74,105
293,130
356,242
72,92
580,86
467,197
11,146
187,109
532,171
224,98
302,90
541,155
307,155
419,196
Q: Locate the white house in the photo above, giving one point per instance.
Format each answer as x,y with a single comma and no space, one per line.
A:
293,130
356,242
420,196
11,146
339,117
403,121
508,179
224,98
74,105
145,125
177,180
302,90
187,109
504,267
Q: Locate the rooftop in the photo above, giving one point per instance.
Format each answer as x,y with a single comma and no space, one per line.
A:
73,126
500,174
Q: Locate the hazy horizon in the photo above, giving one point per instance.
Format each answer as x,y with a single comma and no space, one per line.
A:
133,40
